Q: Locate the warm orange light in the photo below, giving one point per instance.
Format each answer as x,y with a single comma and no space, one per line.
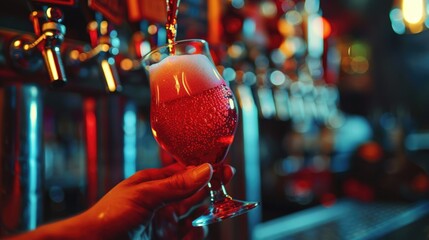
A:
326,28
52,63
74,54
214,21
152,29
285,28
104,28
287,48
371,152
108,75
17,43
126,64
413,12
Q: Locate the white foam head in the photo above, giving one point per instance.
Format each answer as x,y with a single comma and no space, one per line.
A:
182,75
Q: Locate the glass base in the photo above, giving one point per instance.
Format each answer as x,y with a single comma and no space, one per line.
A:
226,208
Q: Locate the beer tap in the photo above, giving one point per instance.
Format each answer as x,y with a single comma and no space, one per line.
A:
104,50
50,35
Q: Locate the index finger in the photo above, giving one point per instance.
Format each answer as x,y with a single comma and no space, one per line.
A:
154,174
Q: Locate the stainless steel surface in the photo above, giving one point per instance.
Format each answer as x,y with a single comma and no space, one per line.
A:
347,219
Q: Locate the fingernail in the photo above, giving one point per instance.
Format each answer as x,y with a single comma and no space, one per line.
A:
202,173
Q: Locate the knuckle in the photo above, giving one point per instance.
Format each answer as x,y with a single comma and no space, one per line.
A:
178,182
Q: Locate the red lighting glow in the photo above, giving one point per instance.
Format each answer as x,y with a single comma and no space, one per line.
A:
420,183
91,148
357,190
371,152
328,199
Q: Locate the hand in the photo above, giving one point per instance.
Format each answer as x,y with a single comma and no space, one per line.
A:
174,221
131,204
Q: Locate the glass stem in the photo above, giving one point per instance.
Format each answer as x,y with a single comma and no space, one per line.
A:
217,195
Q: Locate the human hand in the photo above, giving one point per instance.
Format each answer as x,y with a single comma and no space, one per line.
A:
174,221
132,203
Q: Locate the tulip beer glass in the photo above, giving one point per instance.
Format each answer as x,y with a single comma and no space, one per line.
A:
194,116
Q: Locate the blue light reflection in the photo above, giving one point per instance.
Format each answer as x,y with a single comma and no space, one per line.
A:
130,139
33,153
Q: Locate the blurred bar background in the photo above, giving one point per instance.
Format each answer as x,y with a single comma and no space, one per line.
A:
333,136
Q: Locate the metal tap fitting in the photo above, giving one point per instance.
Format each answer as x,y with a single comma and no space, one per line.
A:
50,35
104,50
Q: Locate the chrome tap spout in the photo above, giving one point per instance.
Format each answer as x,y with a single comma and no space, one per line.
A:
104,51
49,41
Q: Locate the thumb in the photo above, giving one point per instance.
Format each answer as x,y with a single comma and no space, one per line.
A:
177,187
